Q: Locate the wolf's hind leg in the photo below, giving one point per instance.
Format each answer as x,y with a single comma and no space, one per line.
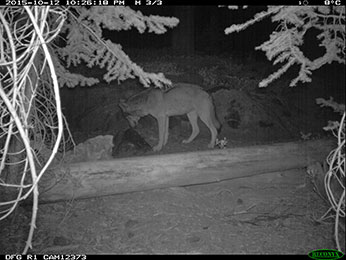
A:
165,139
195,129
207,119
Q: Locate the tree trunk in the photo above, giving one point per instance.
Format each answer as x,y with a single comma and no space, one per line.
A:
98,178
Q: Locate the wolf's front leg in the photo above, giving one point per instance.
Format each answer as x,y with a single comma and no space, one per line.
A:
162,127
165,137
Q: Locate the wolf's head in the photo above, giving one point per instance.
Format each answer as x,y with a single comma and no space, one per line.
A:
132,111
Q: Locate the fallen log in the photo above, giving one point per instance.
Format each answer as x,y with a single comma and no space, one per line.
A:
121,175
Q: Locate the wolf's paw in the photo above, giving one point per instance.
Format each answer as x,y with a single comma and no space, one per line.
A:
157,148
186,141
211,145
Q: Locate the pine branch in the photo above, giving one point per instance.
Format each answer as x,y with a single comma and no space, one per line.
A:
86,44
284,44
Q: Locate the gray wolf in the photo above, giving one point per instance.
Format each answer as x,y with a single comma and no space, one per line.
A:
182,99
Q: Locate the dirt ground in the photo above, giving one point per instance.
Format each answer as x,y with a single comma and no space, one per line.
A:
273,213
268,214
